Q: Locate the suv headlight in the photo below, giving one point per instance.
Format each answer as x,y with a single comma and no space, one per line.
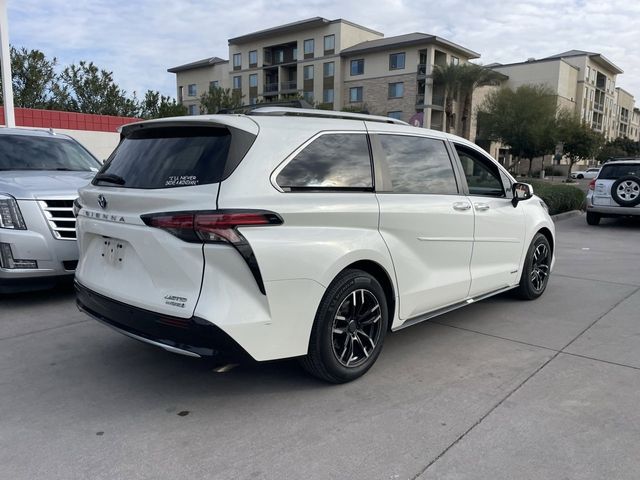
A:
10,216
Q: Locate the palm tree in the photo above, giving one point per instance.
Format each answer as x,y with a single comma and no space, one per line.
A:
448,75
470,77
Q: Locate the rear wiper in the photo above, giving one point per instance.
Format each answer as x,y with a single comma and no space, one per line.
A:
110,178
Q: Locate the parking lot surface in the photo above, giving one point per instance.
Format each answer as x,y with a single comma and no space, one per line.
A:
502,389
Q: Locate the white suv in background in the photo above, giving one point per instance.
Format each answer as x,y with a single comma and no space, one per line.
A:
300,233
615,192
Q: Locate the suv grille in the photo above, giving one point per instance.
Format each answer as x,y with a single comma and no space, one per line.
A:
59,214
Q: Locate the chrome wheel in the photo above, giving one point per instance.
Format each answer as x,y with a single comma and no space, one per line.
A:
628,190
540,267
356,328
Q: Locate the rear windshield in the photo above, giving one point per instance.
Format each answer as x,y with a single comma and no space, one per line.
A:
26,152
614,172
168,157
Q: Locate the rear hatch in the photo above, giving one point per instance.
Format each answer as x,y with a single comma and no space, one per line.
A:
607,177
158,168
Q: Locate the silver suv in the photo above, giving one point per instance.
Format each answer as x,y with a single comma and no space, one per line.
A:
615,192
40,173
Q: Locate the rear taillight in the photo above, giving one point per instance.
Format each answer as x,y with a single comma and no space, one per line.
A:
210,226
218,226
592,184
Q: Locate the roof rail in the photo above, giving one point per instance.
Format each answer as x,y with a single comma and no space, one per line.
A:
307,112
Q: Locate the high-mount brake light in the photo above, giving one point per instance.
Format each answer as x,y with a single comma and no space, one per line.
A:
217,226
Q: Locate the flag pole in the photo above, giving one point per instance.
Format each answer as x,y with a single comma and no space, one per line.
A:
5,66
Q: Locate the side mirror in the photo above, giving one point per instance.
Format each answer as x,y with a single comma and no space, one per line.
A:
521,191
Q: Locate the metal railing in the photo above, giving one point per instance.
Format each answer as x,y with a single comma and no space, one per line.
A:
287,86
270,87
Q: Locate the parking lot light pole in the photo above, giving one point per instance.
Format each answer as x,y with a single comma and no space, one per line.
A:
5,66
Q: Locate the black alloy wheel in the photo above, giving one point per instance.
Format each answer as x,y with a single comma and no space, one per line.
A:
349,328
537,267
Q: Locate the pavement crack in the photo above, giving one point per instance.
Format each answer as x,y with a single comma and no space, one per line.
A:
19,335
596,280
494,336
587,357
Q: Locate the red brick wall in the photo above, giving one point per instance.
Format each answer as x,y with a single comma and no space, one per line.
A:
29,117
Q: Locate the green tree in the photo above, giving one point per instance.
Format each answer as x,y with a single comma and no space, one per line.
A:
449,76
579,140
155,105
471,77
218,98
85,88
524,119
33,78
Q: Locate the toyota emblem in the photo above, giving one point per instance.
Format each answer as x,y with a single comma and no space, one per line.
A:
102,201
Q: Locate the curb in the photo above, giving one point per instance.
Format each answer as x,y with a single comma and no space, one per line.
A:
566,215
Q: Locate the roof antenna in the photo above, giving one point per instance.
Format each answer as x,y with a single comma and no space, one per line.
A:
51,132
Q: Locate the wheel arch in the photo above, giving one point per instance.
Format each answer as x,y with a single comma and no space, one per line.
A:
549,236
379,273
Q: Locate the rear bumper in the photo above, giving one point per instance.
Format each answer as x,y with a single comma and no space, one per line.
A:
194,336
11,284
612,211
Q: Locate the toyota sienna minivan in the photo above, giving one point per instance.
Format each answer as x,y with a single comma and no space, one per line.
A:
300,233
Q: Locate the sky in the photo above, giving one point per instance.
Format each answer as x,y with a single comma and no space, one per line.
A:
139,39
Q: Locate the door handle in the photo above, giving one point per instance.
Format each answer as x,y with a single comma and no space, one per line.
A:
481,207
461,206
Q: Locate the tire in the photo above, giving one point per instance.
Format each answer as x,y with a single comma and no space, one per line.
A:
580,177
349,328
593,218
534,278
626,191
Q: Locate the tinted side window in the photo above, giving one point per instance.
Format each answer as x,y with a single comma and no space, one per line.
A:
483,177
418,165
614,172
332,161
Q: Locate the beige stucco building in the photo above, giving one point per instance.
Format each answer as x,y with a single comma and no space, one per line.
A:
195,78
583,81
333,64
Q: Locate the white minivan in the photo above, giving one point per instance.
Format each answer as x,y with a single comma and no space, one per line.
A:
300,233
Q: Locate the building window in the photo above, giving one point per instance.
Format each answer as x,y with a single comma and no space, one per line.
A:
455,61
237,82
309,46
395,114
253,80
396,61
237,61
279,54
357,67
327,96
329,44
355,94
307,72
396,90
193,110
192,90
328,69
253,58
253,100
180,93
308,97
214,84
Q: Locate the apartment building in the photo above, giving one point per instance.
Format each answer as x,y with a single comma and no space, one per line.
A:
624,105
583,81
394,77
195,78
333,64
634,125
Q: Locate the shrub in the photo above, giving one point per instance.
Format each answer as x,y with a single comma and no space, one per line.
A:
559,198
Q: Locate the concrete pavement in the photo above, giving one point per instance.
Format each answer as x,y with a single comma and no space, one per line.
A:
500,389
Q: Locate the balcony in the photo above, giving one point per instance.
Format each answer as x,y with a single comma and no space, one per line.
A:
270,88
420,99
437,99
598,106
288,86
